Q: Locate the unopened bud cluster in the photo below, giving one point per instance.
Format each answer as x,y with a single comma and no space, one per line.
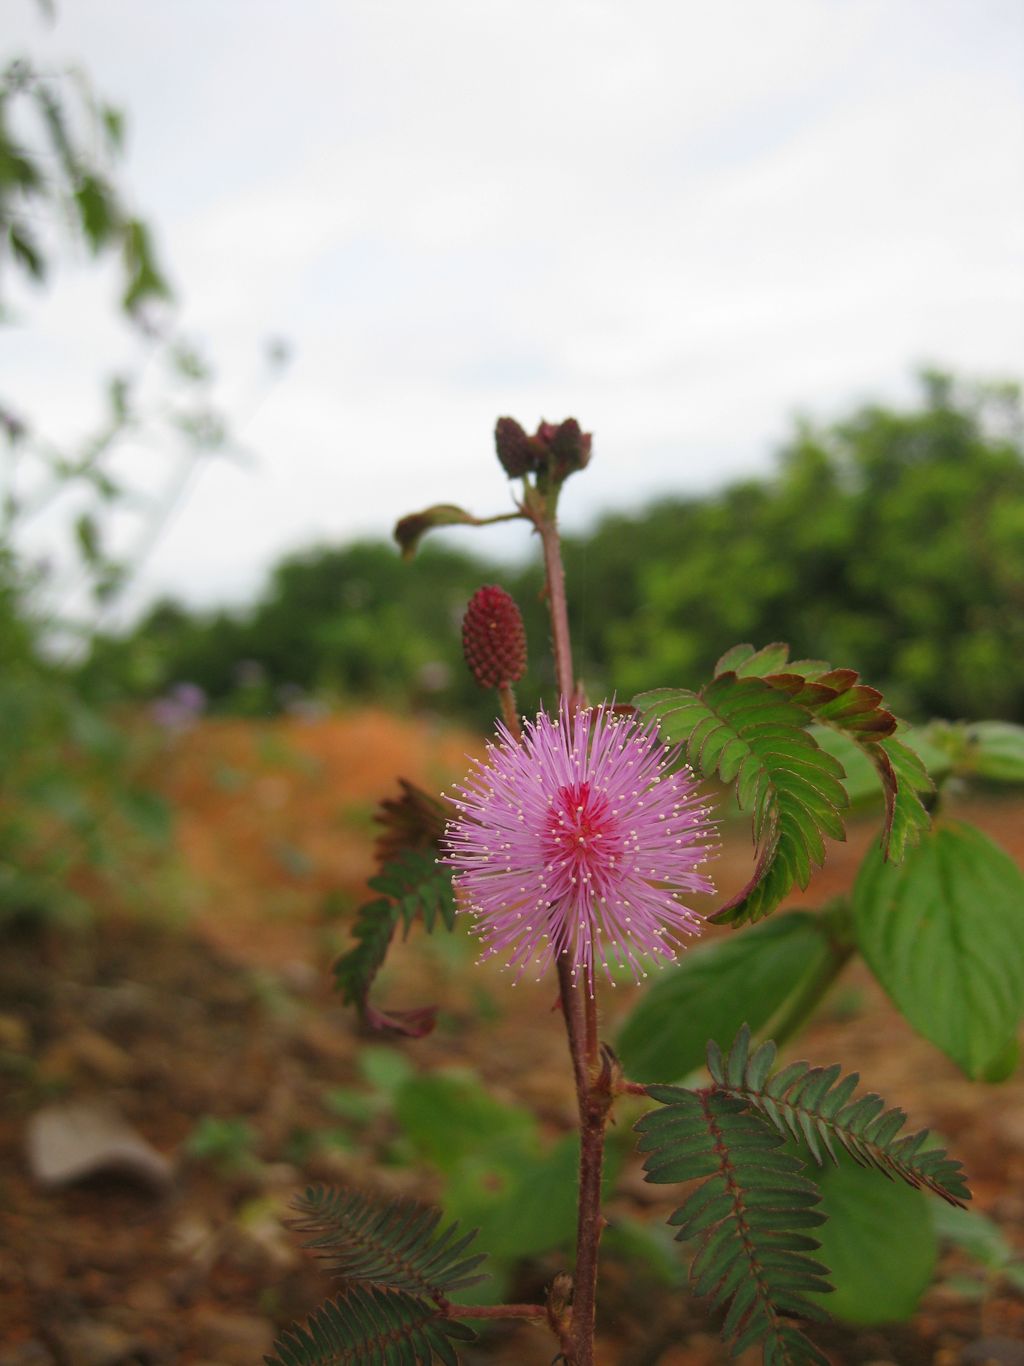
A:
555,450
493,638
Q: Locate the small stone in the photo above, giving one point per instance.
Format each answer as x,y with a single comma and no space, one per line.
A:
67,1143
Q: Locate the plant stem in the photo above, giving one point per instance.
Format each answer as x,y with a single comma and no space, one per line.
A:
593,1091
495,1311
575,1023
557,605
594,1109
509,714
800,1007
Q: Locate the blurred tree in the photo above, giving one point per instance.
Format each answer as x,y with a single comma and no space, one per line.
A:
57,174
71,803
893,540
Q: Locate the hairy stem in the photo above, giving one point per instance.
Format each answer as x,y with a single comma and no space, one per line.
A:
575,1023
557,605
494,1311
509,714
593,1092
594,1109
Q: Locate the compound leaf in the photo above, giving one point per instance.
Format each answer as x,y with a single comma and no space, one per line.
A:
390,1244
813,1105
411,887
746,731
747,1217
364,1325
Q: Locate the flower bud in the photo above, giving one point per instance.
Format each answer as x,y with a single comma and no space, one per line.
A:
493,638
516,451
570,448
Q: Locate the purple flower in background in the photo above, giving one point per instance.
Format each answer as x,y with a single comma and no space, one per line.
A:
180,708
577,839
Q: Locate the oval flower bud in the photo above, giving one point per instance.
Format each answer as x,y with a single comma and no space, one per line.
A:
493,638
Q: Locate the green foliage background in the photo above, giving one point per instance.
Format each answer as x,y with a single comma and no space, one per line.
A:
892,541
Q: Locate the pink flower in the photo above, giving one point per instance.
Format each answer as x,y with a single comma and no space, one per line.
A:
578,840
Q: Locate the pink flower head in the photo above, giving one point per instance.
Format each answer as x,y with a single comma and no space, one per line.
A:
578,839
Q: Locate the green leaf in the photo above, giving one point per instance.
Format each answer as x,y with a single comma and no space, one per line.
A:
25,251
392,1244
412,887
813,1105
113,126
745,730
837,698
644,1247
747,662
450,1118
715,988
524,1205
944,934
879,1242
418,887
363,1325
749,1217
385,1069
995,750
148,812
834,696
903,776
409,531
861,778
894,768
977,1235
354,971
97,211
145,281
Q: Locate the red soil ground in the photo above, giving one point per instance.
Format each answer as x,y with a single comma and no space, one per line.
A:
225,1010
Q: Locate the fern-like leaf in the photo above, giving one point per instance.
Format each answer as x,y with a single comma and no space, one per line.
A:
413,820
743,730
903,776
837,698
816,1106
392,1244
354,971
411,887
417,887
749,1216
364,1326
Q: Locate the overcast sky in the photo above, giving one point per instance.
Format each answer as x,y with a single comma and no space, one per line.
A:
681,222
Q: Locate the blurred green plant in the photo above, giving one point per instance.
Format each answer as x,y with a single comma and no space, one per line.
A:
78,824
995,1260
77,820
228,1145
